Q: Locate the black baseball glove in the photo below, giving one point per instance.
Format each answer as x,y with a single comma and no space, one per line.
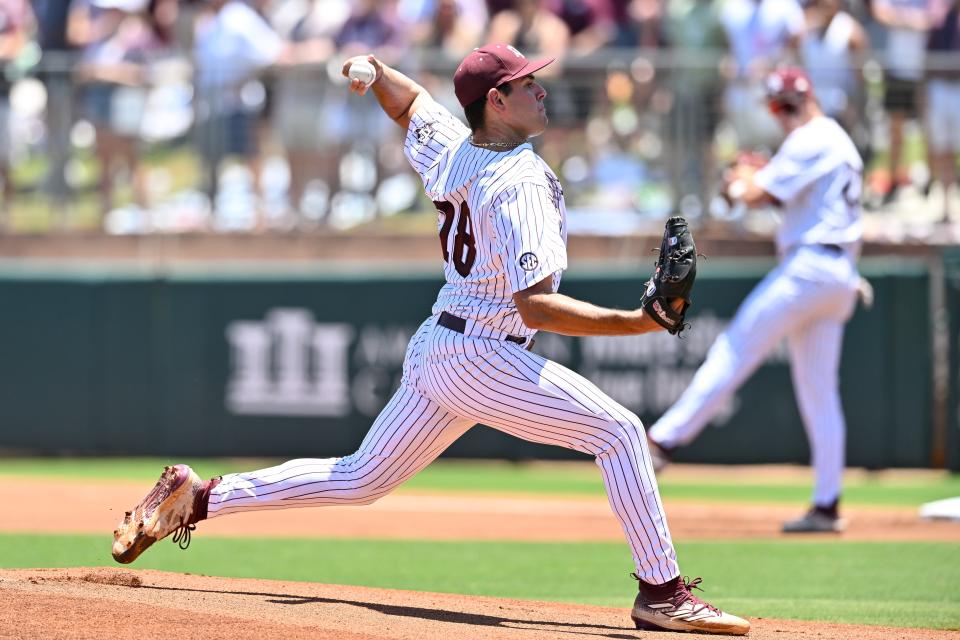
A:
673,277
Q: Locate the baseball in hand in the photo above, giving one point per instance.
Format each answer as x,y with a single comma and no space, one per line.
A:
736,189
363,71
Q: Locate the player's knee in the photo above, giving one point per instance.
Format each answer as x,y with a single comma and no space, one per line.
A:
362,498
370,491
624,433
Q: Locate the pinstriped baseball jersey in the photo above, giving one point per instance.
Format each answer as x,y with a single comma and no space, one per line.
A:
501,231
501,221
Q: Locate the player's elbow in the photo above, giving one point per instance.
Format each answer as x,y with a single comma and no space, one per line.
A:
533,312
534,304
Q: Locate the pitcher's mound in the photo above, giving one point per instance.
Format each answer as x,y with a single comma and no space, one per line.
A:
120,603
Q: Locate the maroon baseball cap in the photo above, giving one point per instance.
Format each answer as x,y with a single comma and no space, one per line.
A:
788,87
490,66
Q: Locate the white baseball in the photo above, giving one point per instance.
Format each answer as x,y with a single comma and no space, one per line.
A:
737,189
363,71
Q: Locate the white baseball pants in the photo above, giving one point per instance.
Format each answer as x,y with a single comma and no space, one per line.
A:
450,383
807,299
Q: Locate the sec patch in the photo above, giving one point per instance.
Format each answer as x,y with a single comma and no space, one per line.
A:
528,262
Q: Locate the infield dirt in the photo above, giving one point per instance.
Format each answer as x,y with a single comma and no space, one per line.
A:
119,603
111,602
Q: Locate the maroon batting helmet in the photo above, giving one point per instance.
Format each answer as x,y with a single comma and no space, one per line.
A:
787,89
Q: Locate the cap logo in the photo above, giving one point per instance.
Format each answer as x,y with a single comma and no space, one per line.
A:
514,51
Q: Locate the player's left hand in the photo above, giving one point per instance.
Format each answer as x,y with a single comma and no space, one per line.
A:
667,296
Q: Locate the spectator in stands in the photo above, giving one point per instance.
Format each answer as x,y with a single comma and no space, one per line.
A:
574,95
699,44
446,31
532,28
591,23
371,25
762,34
943,101
360,124
301,117
120,38
496,6
643,25
15,21
55,71
907,23
834,48
232,45
163,16
453,27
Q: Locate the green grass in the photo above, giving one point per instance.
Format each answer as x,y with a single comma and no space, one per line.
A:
574,479
135,469
898,584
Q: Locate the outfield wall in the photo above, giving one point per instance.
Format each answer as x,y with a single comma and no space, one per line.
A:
247,363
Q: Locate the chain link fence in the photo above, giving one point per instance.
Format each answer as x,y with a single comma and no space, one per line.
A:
634,134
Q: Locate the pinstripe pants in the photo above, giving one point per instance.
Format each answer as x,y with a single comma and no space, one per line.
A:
807,299
451,382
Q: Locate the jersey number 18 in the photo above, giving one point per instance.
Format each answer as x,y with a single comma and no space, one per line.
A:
464,244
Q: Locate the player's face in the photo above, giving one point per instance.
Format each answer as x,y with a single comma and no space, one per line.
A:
526,111
787,118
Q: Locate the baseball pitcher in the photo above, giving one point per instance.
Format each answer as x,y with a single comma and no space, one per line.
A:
502,231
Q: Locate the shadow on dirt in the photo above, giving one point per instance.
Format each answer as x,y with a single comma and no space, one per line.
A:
437,615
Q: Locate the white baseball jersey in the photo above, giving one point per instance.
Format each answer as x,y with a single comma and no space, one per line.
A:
807,299
501,231
817,175
502,221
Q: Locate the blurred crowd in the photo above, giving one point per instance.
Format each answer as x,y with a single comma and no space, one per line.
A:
231,114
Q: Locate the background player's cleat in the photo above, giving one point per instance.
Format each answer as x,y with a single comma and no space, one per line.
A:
659,456
816,521
680,610
171,506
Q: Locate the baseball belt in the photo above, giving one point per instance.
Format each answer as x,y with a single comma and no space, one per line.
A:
454,323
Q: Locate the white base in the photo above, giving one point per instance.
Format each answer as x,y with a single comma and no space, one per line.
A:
948,509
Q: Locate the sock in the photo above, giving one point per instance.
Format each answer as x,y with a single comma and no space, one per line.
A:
202,499
659,592
832,510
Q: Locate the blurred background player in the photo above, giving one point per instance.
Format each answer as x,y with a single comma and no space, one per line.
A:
816,179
